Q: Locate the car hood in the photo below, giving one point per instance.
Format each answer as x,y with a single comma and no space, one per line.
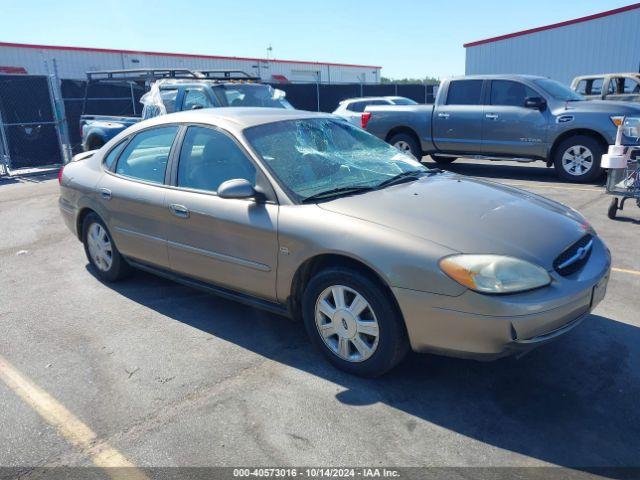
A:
605,106
470,216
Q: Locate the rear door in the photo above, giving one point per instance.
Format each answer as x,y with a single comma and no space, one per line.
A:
510,129
132,194
457,122
229,242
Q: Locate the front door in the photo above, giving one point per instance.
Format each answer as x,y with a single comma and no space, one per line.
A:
510,129
457,122
229,242
132,195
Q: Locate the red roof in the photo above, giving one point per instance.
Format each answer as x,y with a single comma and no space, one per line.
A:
555,25
184,55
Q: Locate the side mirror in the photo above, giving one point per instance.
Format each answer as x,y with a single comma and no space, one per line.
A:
197,107
536,103
236,188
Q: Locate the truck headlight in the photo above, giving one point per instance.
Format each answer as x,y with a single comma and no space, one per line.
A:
631,127
494,273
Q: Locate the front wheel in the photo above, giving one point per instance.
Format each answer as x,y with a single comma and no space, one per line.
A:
355,324
101,252
407,143
577,159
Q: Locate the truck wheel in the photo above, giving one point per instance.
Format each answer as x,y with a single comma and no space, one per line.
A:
443,160
94,143
577,159
406,143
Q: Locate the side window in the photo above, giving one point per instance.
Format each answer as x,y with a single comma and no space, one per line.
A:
581,88
464,92
596,86
146,155
504,92
196,98
357,106
112,156
209,158
169,99
630,85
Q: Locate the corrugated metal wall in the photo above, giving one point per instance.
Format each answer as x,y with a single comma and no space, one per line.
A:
606,44
73,64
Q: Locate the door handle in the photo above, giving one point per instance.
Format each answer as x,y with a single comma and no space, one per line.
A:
492,116
105,193
179,210
443,115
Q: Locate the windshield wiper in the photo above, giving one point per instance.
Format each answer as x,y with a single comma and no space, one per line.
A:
405,176
334,192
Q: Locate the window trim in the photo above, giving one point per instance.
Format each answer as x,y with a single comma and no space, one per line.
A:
129,138
263,183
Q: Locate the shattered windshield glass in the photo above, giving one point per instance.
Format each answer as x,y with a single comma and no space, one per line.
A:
315,155
251,95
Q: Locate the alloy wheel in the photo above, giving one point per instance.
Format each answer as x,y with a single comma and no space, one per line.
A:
347,323
577,160
100,248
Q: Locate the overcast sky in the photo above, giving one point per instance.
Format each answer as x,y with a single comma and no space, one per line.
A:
407,38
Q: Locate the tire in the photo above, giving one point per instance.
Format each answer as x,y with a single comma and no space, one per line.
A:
94,143
613,208
384,351
443,160
98,256
579,146
407,143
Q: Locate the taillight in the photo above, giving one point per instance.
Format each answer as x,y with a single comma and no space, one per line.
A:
364,119
60,175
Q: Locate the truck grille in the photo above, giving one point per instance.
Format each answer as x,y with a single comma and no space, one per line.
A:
574,257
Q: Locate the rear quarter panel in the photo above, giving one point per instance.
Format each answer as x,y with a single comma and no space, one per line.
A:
417,118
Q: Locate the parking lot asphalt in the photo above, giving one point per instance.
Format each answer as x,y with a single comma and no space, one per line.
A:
170,376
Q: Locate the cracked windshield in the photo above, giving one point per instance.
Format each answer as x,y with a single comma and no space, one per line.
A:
312,156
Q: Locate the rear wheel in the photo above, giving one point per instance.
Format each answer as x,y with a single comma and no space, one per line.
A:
443,160
577,159
101,252
355,324
613,208
407,143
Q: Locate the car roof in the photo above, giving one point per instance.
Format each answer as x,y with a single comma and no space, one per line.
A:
498,77
237,118
366,99
617,74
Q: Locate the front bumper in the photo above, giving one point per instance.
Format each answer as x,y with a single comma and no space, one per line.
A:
486,327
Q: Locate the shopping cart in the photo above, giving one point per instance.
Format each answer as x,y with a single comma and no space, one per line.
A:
623,164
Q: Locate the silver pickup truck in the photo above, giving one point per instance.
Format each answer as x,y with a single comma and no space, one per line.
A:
506,117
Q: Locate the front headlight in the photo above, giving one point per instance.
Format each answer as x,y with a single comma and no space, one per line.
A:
631,127
494,273
617,119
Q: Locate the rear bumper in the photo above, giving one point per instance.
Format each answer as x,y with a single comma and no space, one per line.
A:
479,327
68,213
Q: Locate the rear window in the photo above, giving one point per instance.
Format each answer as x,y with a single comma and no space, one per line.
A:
464,92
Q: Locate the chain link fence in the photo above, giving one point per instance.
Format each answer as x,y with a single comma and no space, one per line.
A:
32,126
40,116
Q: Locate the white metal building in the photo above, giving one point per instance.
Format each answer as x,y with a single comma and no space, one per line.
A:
606,42
73,62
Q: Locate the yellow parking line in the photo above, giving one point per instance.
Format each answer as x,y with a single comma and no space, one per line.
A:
68,425
625,270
